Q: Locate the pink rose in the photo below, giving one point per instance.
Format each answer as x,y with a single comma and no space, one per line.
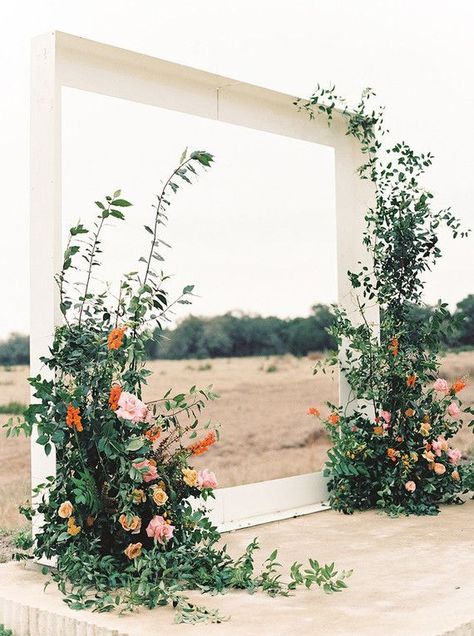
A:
131,408
206,479
410,486
454,455
151,473
453,409
159,530
441,386
386,417
439,445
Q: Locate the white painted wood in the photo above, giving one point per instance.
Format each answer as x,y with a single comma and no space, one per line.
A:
60,59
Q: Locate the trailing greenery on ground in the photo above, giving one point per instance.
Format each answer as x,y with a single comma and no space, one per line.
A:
391,441
125,515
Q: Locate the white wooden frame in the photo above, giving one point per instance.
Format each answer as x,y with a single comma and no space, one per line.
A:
60,59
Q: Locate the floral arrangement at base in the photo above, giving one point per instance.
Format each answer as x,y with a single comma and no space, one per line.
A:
391,446
124,517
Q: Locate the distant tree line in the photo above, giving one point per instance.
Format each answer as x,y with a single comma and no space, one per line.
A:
235,335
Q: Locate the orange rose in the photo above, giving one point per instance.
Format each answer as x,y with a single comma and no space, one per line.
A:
313,411
439,469
133,550
334,419
378,430
409,412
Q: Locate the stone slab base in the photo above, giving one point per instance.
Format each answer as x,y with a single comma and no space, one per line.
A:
412,577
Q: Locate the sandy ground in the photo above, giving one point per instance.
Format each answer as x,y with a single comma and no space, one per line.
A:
265,430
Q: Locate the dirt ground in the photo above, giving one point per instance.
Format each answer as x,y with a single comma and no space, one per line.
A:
265,430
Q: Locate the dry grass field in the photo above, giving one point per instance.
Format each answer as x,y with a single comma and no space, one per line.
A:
265,430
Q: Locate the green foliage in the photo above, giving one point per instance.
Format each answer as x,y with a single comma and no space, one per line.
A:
125,515
390,442
13,408
5,632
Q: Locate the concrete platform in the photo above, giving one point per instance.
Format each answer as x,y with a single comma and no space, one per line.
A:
412,577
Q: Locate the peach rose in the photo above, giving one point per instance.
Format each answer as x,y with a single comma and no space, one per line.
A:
441,386
150,474
410,486
160,530
206,479
133,550
454,410
131,408
130,524
65,510
455,475
190,477
159,496
425,429
439,469
454,455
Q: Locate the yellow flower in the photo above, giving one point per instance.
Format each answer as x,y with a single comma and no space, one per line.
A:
65,509
138,496
72,528
133,550
429,456
190,476
425,429
159,496
130,524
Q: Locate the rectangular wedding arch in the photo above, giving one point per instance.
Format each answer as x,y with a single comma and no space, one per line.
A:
63,60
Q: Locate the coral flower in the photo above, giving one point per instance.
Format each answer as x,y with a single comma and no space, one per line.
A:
411,381
459,385
392,454
114,396
410,486
153,433
393,346
160,530
73,418
313,411
115,338
133,550
334,419
198,448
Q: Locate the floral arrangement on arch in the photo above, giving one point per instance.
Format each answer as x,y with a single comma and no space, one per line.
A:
125,514
391,446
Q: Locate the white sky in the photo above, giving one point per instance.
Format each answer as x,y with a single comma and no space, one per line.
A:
234,233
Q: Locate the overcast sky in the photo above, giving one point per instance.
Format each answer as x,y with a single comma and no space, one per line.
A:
244,234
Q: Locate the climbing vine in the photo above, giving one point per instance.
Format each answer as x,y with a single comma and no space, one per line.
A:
391,441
